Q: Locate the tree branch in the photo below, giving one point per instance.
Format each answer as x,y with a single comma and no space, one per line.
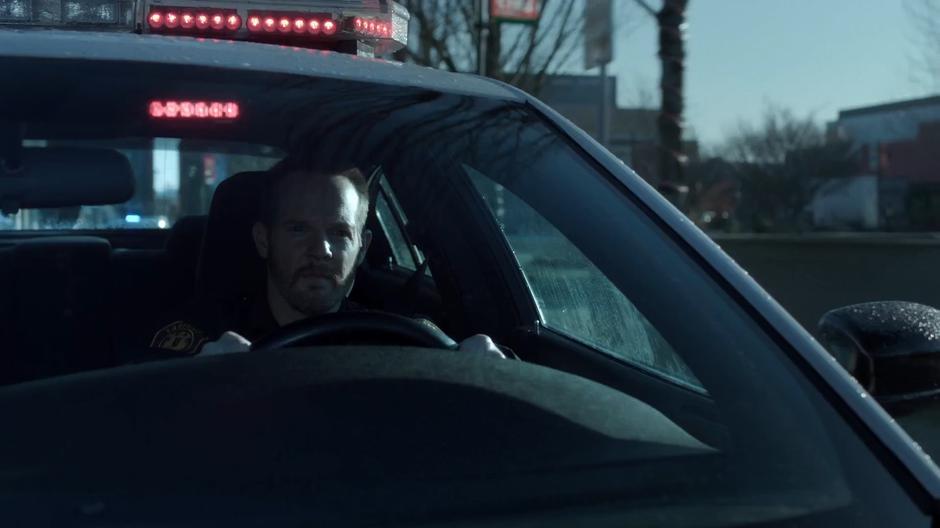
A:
646,7
565,37
427,36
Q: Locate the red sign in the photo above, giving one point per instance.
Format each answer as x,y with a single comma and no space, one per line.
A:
515,10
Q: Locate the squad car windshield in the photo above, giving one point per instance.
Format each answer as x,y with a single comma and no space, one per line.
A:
491,194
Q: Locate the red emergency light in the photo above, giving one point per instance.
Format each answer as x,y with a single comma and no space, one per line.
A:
186,19
370,27
297,23
193,109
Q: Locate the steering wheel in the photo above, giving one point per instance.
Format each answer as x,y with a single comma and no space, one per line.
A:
363,328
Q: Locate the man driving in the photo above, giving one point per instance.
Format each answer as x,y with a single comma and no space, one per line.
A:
311,235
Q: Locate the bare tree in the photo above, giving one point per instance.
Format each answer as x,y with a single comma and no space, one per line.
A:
446,33
925,18
779,163
769,142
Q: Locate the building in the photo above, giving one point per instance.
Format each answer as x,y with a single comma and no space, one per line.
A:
633,132
873,128
898,143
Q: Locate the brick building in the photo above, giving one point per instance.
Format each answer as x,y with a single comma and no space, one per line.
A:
899,144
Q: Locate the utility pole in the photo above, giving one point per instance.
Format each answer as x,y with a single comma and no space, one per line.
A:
671,21
605,86
482,34
598,51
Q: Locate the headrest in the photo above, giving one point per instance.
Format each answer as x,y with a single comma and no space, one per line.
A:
229,266
185,237
66,176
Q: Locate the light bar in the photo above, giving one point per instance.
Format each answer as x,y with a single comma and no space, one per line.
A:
373,27
366,27
193,110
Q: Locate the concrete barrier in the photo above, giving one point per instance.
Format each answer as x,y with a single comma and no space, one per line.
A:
811,274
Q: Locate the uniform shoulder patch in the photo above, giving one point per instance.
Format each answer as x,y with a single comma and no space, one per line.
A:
179,337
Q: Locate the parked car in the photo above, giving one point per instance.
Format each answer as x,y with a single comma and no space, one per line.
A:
656,383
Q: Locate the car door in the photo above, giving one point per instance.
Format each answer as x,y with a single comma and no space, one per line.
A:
398,278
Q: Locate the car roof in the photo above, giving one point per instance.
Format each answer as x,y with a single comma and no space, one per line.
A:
250,56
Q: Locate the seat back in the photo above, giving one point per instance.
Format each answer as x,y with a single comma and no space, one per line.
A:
182,249
229,268
56,307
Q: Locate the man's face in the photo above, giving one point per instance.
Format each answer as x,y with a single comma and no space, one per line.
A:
314,243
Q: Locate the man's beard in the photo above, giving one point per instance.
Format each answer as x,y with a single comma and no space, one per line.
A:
313,300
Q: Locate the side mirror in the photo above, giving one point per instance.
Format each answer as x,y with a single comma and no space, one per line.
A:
891,347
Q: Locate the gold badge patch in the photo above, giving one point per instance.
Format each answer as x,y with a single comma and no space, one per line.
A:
179,336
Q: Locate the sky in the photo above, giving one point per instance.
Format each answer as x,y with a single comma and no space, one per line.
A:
815,57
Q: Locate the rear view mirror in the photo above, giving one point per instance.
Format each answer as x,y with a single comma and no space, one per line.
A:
65,176
891,347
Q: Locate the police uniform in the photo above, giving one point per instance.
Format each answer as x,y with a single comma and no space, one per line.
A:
203,321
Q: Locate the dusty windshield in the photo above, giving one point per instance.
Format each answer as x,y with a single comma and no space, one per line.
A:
483,212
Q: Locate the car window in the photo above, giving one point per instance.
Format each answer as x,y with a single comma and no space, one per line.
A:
573,296
406,252
173,177
401,250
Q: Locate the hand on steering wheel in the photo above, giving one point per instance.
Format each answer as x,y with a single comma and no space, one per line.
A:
365,327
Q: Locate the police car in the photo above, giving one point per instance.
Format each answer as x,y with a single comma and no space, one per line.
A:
655,383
